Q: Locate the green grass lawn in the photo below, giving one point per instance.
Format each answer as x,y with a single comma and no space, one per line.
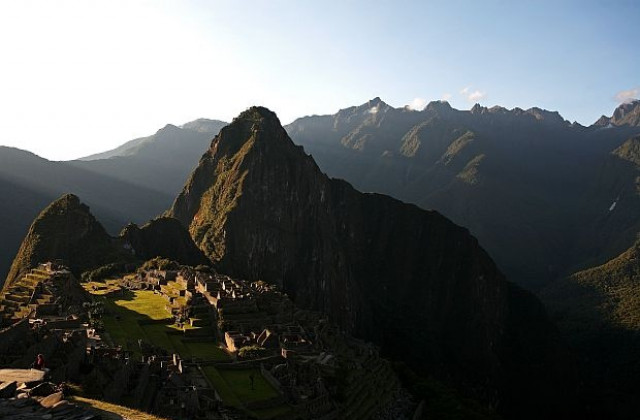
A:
206,351
122,324
234,387
224,390
145,303
239,381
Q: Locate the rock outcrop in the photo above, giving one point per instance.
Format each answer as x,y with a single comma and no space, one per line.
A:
410,280
627,113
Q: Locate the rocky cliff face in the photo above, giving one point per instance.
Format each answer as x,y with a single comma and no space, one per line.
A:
407,279
65,230
625,114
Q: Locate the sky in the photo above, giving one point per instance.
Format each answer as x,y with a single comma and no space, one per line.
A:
81,77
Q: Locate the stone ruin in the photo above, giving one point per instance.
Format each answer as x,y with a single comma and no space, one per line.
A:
316,370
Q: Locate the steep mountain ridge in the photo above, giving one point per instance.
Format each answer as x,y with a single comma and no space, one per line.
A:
408,279
65,230
529,184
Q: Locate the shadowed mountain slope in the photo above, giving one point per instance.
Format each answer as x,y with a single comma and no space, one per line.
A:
407,279
163,237
599,311
536,190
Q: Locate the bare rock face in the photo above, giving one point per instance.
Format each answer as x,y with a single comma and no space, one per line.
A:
410,280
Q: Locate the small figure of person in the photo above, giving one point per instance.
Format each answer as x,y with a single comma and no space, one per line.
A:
38,363
251,379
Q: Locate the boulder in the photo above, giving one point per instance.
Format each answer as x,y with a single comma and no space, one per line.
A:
8,389
50,400
44,389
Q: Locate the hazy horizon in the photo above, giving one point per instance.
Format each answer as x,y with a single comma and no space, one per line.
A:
81,78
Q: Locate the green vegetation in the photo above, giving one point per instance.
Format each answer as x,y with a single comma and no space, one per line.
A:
105,271
144,303
205,350
605,295
143,314
102,288
234,387
159,263
240,383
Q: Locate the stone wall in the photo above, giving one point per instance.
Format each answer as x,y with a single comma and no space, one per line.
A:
12,335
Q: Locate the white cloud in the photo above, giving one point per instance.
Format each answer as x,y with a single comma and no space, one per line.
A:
476,96
472,96
627,95
418,104
446,96
373,110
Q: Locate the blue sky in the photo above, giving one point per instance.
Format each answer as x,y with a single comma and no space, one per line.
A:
80,77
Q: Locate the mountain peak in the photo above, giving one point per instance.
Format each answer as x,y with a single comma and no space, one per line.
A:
542,114
478,109
260,208
627,113
64,230
438,106
258,114
373,106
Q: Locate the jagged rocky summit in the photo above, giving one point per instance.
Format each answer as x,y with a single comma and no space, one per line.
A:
408,279
627,113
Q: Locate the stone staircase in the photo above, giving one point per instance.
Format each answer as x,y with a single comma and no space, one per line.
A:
24,296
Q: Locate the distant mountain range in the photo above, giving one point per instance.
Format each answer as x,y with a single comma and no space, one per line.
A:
132,183
161,162
544,196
